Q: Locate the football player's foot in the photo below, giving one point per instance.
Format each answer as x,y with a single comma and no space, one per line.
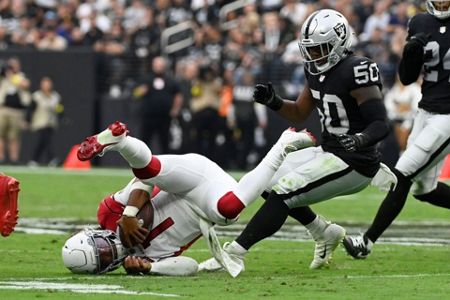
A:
210,265
9,189
357,246
292,140
98,144
233,259
326,243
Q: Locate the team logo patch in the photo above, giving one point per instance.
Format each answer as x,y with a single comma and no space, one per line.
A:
340,30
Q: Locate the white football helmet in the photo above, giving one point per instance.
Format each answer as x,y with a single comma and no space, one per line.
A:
93,251
325,39
439,8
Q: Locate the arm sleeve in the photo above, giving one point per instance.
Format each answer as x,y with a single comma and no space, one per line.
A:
412,58
375,113
411,63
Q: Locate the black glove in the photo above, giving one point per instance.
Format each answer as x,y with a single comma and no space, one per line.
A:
420,39
265,94
352,143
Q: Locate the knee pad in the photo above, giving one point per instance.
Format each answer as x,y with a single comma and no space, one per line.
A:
149,171
230,206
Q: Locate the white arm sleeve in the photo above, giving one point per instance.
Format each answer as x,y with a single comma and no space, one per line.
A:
175,266
123,195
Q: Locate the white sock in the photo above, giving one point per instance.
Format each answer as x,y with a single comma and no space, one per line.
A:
134,151
317,226
252,184
175,266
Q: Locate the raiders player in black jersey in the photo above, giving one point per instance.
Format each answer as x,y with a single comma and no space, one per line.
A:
346,91
427,49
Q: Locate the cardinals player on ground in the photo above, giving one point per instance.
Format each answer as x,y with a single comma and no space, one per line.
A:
197,192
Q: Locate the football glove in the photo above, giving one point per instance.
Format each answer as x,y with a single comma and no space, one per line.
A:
265,94
351,143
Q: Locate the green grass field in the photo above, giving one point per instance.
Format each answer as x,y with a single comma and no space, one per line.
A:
31,265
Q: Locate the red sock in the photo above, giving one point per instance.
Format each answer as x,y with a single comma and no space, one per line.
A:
149,171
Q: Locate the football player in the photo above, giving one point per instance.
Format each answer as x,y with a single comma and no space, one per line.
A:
346,90
175,225
9,192
418,169
202,183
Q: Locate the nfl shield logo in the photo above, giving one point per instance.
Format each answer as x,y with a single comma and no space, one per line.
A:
443,29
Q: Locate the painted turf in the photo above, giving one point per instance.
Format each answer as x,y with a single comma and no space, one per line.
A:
402,233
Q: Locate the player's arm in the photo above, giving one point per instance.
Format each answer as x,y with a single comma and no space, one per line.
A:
297,111
413,55
373,111
132,231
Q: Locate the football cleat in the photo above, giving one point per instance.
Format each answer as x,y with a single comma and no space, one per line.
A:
210,265
232,262
359,247
291,140
326,243
98,144
9,191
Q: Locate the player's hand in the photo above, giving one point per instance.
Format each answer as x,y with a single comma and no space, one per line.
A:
421,39
135,265
265,94
133,233
350,142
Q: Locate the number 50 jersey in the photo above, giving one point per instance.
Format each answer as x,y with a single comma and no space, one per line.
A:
339,111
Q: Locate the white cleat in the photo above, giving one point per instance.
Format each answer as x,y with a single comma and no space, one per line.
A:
291,140
210,265
326,243
97,145
233,262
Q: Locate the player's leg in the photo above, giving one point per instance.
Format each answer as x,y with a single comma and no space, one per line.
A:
427,146
175,266
312,182
439,196
9,190
252,184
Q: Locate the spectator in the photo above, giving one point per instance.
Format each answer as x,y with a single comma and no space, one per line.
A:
43,117
161,102
205,103
14,99
51,40
401,104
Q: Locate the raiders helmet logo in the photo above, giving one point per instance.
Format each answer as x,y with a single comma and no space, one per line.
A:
340,30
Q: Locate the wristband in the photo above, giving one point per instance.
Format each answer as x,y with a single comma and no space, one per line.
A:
130,211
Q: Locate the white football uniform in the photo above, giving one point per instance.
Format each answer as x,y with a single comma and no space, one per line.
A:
196,179
428,145
312,175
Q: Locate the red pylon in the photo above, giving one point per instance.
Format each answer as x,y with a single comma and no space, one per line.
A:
445,172
72,162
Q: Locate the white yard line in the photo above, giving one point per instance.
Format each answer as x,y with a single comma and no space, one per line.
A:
75,288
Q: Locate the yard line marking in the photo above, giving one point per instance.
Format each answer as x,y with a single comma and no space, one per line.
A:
396,276
76,288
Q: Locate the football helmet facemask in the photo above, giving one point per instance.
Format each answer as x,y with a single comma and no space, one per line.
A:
325,39
439,8
93,251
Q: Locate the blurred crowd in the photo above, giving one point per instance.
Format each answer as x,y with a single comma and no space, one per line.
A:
206,55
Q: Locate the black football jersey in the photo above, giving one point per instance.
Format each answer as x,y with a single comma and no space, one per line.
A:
436,80
339,111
